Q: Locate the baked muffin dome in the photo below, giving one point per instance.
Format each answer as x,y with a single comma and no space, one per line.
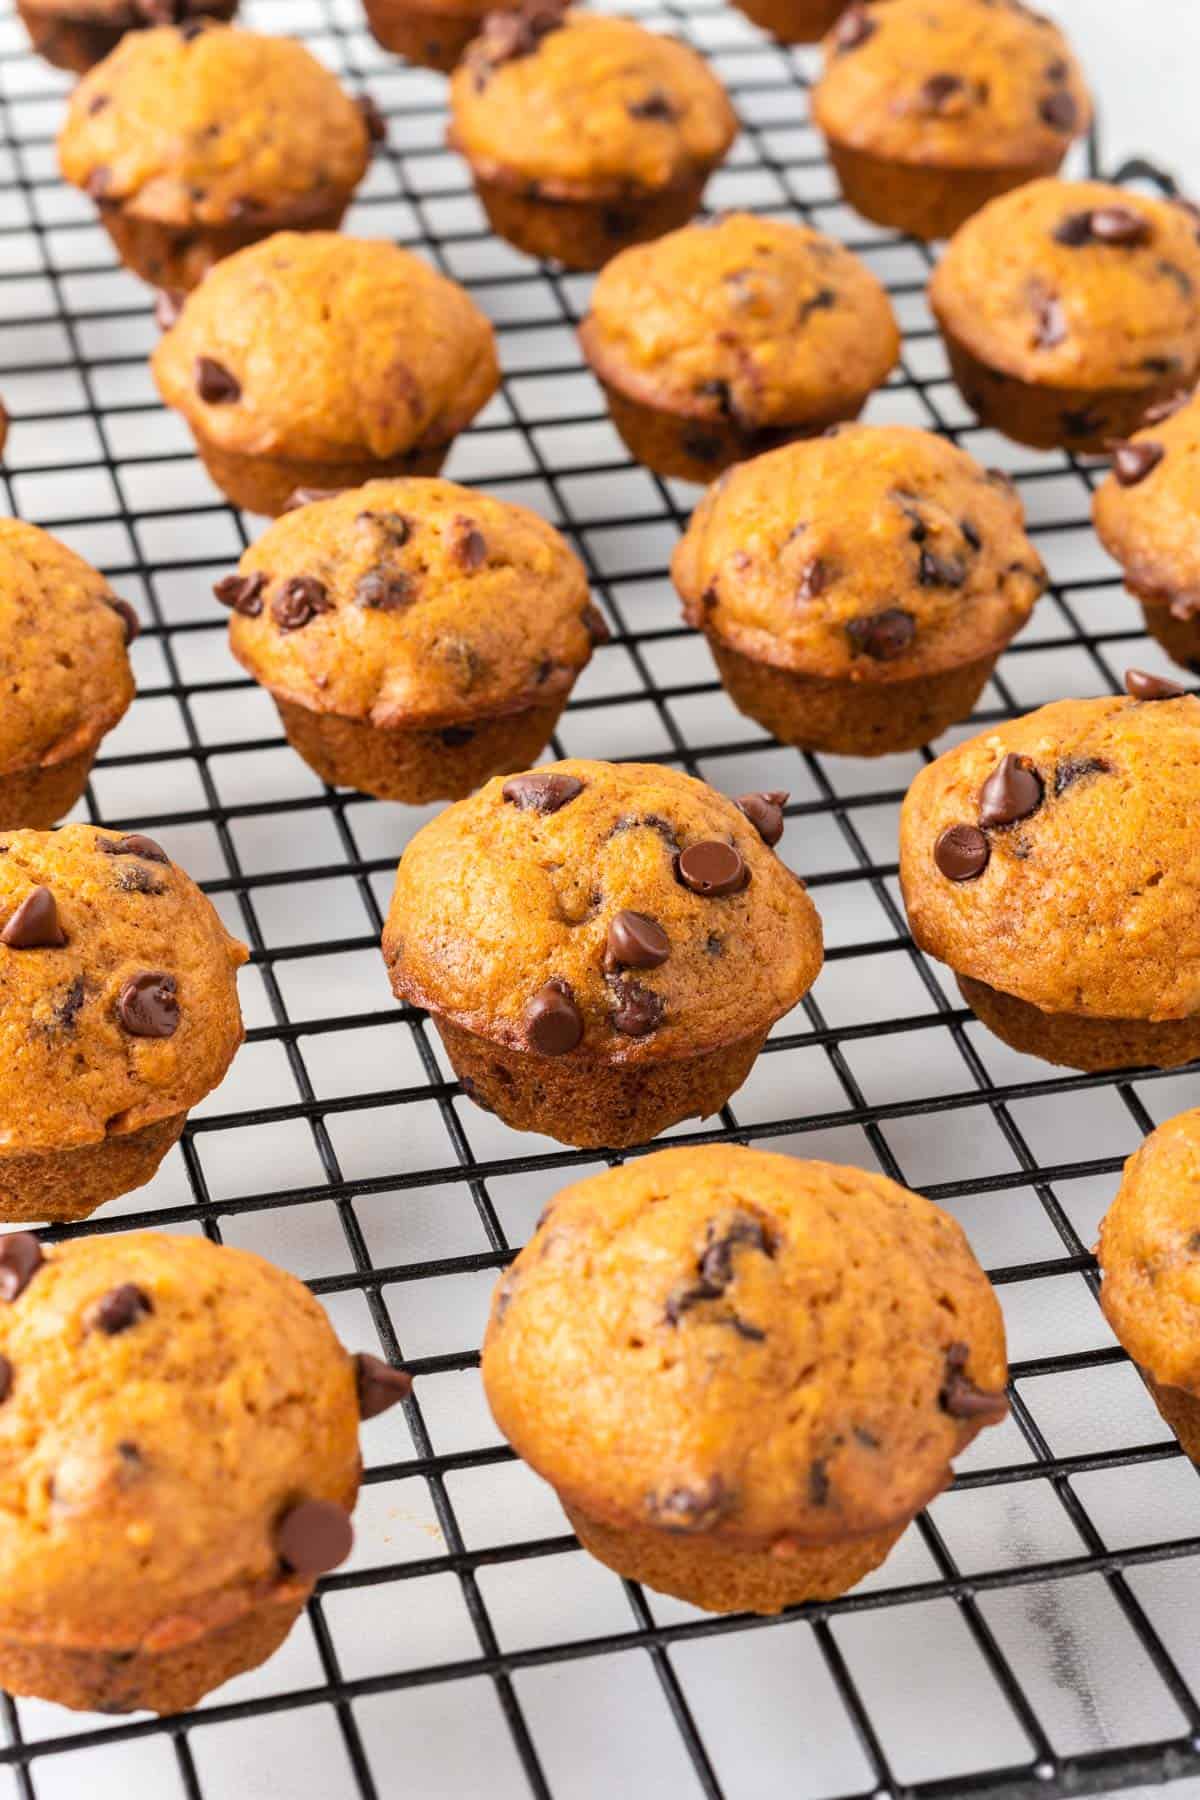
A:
74,34
1150,1258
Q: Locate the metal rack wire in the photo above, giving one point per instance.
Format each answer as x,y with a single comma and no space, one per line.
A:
1031,1636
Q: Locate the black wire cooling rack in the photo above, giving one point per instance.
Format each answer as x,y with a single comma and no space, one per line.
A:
1034,1634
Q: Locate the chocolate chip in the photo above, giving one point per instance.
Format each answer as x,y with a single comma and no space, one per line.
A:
20,1259
1140,685
1049,319
638,1010
130,622
1058,110
715,1269
961,853
312,496
818,1483
554,1022
68,1009
97,104
712,868
853,28
242,593
214,384
136,880
6,1378
372,118
1011,792
1078,768
815,577
959,1396
940,571
34,925
765,813
824,300
635,941
167,307
1073,230
121,1308
468,546
942,93
1120,225
314,1536
541,793
395,525
1133,462
882,635
380,592
656,105
970,534
148,1006
379,1385
298,601
133,844
596,625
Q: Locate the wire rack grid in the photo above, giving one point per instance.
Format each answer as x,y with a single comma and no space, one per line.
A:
1033,1634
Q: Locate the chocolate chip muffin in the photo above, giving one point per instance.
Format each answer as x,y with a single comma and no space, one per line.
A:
319,361
721,340
793,21
1147,514
195,140
179,1431
744,1374
416,636
1051,863
64,668
930,108
1068,308
114,966
585,133
1149,1254
621,941
74,34
857,589
431,33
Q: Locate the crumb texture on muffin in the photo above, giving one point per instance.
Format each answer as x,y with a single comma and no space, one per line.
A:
1147,511
1149,1254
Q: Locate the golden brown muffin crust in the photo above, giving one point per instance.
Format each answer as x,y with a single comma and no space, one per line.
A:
126,915
1147,512
876,553
727,1341
1075,284
497,898
437,604
64,665
748,318
203,125
323,347
951,83
145,1469
1149,1253
1087,904
589,106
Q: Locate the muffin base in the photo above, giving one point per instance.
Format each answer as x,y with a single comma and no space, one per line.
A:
692,449
428,36
591,1104
728,1580
1047,418
927,202
1180,638
1180,1409
180,256
416,766
69,1184
38,797
1077,1042
793,21
265,484
850,718
77,42
584,234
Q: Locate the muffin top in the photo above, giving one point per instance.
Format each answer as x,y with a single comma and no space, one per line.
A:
411,602
616,911
136,14
1071,873
957,84
169,1408
63,650
873,553
114,962
1147,511
1149,1253
318,346
1076,284
746,318
729,1342
205,124
582,102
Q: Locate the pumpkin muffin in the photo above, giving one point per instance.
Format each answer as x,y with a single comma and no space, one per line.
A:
64,668
114,966
1149,1254
319,361
793,21
620,942
1052,863
179,1435
197,140
416,636
585,133
930,108
721,340
431,33
857,589
74,34
1070,307
744,1374
1147,514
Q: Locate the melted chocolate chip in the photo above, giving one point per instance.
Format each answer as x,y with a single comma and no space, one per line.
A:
1141,686
148,1006
373,119
883,635
552,1019
1120,225
130,622
242,593
506,36
379,591
685,1508
815,577
1049,319
133,844
943,93
1073,230
959,1396
596,625
818,1483
314,1536
656,105
6,1378
1074,769
136,880
379,1385
214,383
469,546
765,813
636,941
712,868
824,300
298,601
1058,110
1133,462
970,534
541,793
716,1270
638,1010
853,29
68,1009
1011,792
20,1259
961,853
167,307
934,570
393,524
34,925
121,1308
